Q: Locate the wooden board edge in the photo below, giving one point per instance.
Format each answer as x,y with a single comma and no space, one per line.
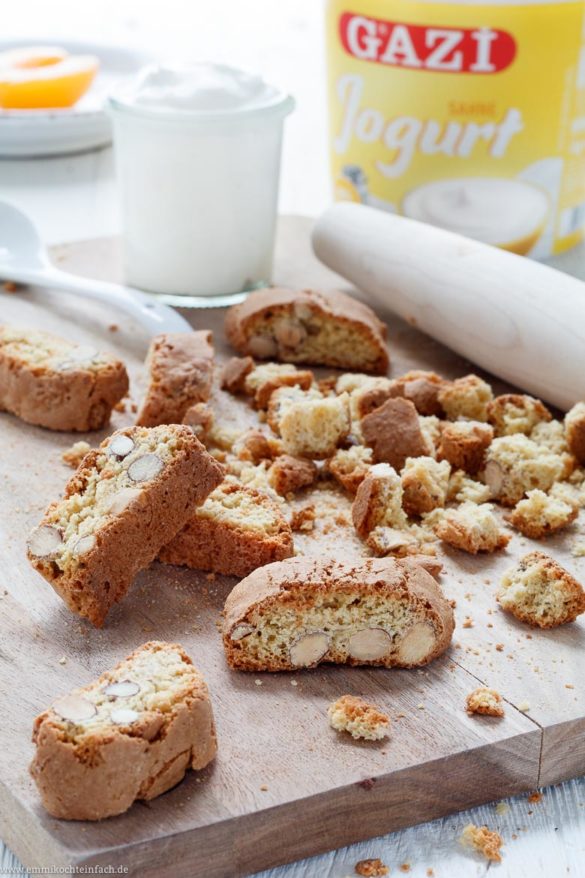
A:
563,752
244,845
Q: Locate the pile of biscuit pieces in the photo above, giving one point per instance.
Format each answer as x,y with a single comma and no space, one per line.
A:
422,461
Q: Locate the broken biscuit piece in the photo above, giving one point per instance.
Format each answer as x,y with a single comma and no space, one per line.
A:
466,397
378,501
394,433
305,326
350,466
53,383
464,443
264,379
425,483
235,530
199,418
129,497
74,455
575,431
283,397
540,515
315,427
234,374
304,611
515,464
131,734
289,474
422,389
516,413
483,840
358,718
541,592
487,702
371,868
472,529
180,372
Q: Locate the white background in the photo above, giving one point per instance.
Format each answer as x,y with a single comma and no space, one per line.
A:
74,198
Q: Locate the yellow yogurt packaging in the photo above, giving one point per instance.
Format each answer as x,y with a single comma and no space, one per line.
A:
469,116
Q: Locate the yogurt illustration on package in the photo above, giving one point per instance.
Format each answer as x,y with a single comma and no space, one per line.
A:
467,115
198,159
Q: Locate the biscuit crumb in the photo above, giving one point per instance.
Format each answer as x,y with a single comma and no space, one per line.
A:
524,707
484,841
533,798
74,455
360,719
371,868
485,701
264,788
62,660
502,808
10,286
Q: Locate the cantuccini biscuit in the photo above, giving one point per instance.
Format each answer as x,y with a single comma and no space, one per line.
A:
303,611
132,734
54,383
304,326
541,592
180,372
128,498
235,530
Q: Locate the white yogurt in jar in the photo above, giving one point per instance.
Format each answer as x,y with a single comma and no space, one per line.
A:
198,160
496,211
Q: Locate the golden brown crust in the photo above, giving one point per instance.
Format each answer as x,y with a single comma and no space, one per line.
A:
235,372
422,389
393,432
289,474
464,445
101,774
77,399
127,542
254,318
180,368
298,581
207,544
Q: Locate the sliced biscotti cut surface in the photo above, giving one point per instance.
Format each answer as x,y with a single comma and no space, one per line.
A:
303,611
305,326
180,373
541,592
129,496
54,383
132,734
236,530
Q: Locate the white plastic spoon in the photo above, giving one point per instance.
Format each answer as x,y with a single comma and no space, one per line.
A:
24,259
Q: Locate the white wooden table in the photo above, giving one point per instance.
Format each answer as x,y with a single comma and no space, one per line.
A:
74,198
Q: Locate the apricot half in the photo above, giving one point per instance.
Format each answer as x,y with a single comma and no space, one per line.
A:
44,77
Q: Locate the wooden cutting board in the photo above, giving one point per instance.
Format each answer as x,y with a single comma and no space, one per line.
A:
284,785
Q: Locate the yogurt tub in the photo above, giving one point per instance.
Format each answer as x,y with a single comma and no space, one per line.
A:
468,115
198,160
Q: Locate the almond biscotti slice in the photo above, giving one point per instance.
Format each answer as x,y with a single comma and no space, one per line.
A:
127,499
180,368
304,326
303,611
235,531
132,734
53,383
541,592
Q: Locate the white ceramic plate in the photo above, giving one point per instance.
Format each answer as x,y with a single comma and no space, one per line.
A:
36,133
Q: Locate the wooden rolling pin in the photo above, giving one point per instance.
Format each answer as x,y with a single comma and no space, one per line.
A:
516,318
